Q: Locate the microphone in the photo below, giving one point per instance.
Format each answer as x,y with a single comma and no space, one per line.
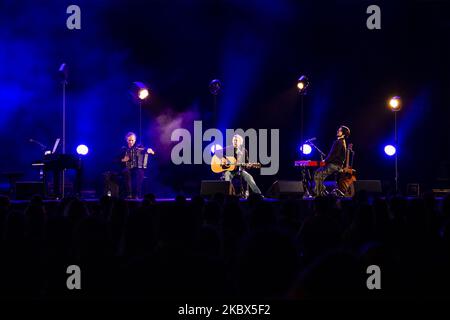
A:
312,139
62,67
63,72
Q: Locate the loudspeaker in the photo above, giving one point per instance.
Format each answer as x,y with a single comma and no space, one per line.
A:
212,187
371,186
286,189
413,190
26,189
441,192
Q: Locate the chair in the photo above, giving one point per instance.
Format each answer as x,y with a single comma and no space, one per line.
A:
331,185
338,190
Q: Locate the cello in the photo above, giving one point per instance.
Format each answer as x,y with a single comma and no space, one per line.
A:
347,175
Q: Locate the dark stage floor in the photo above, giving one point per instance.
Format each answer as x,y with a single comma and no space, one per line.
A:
133,203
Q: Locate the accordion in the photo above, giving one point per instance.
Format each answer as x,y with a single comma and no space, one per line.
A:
138,157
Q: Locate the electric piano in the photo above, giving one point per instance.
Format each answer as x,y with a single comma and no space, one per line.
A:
309,163
307,166
57,163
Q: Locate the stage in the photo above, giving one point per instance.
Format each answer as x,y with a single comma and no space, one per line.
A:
183,104
276,202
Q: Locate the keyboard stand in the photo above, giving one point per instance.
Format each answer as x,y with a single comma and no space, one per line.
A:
305,182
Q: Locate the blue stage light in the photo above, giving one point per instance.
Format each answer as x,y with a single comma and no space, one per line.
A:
390,150
82,150
306,149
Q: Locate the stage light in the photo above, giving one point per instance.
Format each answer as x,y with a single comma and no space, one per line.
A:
390,150
306,149
302,84
395,103
215,86
143,93
141,90
215,148
82,150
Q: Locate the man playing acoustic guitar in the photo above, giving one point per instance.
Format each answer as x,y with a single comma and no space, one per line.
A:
235,165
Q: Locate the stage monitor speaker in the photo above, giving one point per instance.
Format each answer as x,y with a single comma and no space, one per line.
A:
370,186
212,187
413,190
441,192
286,189
26,189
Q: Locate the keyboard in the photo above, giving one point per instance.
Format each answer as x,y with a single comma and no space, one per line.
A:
309,163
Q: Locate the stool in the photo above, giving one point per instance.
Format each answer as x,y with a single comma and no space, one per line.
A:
242,187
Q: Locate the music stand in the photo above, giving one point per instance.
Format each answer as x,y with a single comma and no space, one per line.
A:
55,146
53,151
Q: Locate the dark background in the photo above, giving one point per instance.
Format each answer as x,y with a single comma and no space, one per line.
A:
258,49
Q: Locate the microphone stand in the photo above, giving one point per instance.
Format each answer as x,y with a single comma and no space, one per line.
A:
303,169
64,74
43,146
322,155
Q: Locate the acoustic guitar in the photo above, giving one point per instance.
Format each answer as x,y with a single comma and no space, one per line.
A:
347,176
219,165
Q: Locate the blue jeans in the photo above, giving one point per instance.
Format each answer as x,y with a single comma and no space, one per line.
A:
321,174
246,176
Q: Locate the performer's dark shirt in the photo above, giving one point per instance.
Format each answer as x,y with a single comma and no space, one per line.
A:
337,153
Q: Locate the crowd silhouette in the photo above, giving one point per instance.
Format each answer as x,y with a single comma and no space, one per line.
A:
222,248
